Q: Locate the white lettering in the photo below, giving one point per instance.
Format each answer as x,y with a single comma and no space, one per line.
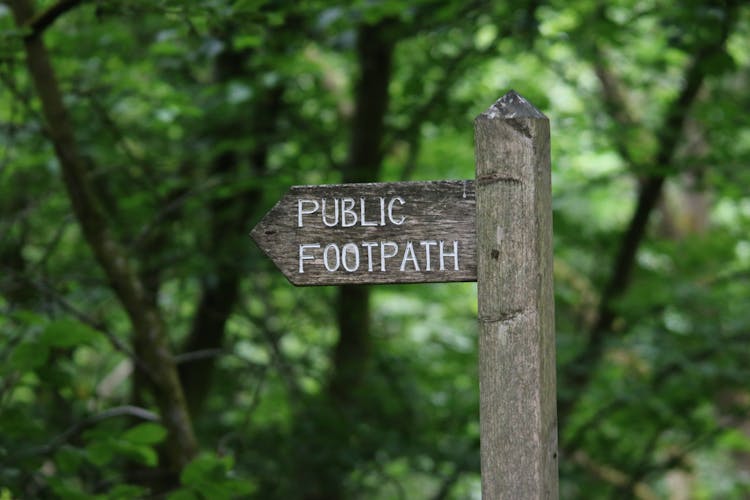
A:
350,248
427,244
346,213
335,212
390,210
336,253
348,210
409,255
301,212
453,254
384,255
303,257
349,256
362,214
368,245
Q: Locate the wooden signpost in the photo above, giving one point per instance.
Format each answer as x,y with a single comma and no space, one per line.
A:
496,230
399,232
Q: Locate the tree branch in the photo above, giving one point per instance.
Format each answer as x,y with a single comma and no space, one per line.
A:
580,371
78,427
273,336
452,70
616,105
84,318
44,19
613,476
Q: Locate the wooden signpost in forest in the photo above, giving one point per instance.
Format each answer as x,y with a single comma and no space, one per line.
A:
398,232
497,230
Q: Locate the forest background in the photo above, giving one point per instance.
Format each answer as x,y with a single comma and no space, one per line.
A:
147,347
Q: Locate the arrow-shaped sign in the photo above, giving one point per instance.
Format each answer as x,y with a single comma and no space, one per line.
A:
396,232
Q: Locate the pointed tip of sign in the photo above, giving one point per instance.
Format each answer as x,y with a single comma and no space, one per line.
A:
512,105
255,234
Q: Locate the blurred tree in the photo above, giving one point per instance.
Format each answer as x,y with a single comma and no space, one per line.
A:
147,345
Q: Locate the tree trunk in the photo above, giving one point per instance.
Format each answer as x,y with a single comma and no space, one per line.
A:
375,53
352,351
228,238
148,328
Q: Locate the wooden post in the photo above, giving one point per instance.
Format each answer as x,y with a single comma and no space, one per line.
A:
518,413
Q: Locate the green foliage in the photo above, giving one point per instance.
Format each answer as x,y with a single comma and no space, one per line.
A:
135,443
209,476
194,117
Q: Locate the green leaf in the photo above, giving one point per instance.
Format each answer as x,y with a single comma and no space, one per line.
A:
209,476
147,456
28,355
142,453
101,452
29,318
68,459
247,41
145,434
201,468
67,333
125,492
183,494
65,488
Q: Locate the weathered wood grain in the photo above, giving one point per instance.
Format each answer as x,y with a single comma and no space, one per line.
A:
423,215
517,383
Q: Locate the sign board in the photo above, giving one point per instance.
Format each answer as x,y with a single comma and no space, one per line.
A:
396,232
497,231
